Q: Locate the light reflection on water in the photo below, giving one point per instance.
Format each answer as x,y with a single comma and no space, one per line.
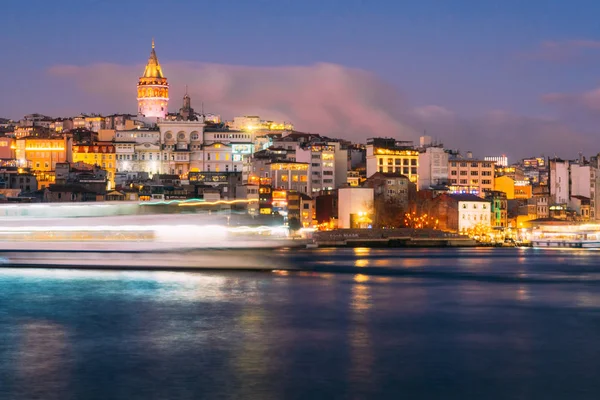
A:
503,319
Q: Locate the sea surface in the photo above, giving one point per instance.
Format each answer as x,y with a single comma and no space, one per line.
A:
346,324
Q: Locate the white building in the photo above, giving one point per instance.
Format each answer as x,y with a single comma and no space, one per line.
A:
328,165
559,181
433,167
581,176
472,211
355,207
501,161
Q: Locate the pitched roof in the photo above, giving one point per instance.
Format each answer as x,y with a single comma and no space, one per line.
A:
468,197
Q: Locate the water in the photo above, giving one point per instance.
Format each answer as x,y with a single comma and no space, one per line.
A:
358,324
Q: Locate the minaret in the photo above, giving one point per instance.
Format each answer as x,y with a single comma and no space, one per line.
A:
186,112
153,90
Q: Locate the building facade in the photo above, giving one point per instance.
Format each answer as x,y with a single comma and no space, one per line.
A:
390,156
433,167
470,176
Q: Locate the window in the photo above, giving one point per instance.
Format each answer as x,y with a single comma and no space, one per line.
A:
453,173
464,205
473,165
413,162
474,173
463,173
474,206
381,161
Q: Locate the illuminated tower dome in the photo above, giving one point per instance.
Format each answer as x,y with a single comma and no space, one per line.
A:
153,90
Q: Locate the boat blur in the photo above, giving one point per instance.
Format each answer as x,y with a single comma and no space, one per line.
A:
131,235
579,236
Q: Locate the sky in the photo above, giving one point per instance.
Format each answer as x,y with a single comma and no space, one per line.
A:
520,78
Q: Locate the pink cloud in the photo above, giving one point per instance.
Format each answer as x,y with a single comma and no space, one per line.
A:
562,51
322,98
588,101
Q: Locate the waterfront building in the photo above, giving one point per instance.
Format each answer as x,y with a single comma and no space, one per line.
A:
391,156
461,212
153,90
355,207
499,208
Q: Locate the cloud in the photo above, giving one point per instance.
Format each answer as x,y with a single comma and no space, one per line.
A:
318,98
587,102
563,51
323,98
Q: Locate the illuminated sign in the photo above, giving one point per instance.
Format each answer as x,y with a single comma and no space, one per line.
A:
279,195
241,148
237,157
391,152
209,176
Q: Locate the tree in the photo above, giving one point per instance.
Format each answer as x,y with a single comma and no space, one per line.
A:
388,214
294,224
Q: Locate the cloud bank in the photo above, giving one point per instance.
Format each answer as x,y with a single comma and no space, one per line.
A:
323,98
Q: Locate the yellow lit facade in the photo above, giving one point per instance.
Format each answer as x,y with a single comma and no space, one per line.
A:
290,176
153,89
102,155
41,154
505,184
513,189
394,161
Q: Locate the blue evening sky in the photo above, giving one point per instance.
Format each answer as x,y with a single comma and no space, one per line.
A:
468,56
